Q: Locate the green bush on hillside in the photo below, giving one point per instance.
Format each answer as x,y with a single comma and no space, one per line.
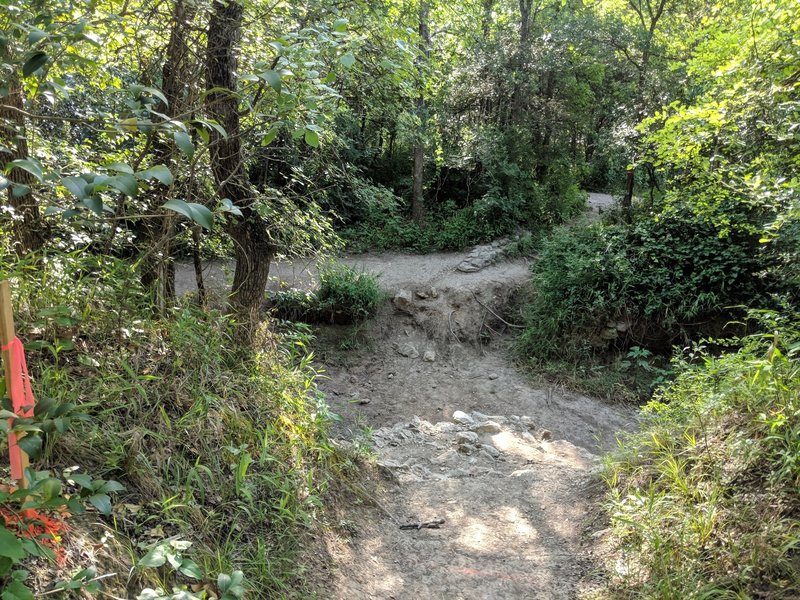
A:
664,279
345,295
705,499
383,222
221,445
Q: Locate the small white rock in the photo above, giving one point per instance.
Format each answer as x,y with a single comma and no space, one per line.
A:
487,427
462,418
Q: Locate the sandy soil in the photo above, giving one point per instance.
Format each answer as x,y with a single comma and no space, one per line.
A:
459,434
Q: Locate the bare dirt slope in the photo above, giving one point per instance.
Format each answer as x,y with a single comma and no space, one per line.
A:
459,434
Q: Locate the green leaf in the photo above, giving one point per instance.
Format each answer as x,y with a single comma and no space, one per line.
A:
125,183
94,204
191,210
159,172
35,62
16,590
340,25
157,93
101,502
31,444
119,167
111,486
347,59
270,136
202,215
36,34
82,479
273,79
50,488
312,138
228,206
157,557
19,190
190,569
10,545
76,185
26,164
184,142
33,548
223,582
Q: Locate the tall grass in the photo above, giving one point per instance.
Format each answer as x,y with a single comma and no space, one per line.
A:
223,446
705,501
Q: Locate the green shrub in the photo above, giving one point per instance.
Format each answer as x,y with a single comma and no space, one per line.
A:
383,224
347,295
669,276
221,445
704,500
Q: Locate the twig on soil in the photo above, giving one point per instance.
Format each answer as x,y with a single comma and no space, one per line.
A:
450,322
435,524
495,314
480,331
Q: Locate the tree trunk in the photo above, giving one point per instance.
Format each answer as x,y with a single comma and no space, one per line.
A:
518,61
29,231
158,271
486,18
418,170
252,245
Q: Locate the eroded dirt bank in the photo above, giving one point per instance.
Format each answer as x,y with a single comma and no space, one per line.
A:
461,436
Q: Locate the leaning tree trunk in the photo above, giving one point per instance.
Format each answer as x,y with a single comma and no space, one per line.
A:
252,245
29,234
418,170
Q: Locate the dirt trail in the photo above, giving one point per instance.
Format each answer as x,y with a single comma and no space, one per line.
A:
459,434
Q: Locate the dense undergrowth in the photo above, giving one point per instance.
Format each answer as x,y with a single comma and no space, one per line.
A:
705,501
382,220
610,300
216,445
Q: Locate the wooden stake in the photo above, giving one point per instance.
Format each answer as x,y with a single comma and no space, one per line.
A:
7,334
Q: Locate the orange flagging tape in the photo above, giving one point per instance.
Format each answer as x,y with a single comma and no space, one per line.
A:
22,401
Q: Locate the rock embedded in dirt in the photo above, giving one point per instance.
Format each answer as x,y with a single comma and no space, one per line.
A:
429,356
487,427
492,376
464,438
404,302
490,450
463,418
408,350
482,256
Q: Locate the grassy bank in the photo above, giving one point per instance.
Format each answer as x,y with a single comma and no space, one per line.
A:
222,451
705,501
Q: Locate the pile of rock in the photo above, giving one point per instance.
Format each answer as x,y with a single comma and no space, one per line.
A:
470,445
483,256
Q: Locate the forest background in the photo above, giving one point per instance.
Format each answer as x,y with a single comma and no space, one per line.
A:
136,133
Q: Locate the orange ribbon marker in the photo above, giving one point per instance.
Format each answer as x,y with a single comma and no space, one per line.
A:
22,401
18,382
